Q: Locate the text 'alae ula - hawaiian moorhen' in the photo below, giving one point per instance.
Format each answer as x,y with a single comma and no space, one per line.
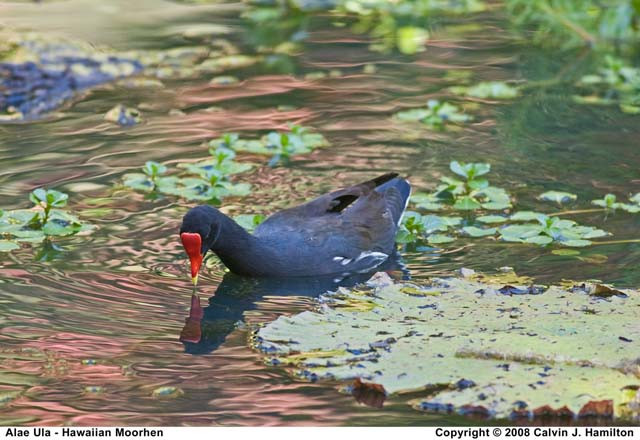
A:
345,231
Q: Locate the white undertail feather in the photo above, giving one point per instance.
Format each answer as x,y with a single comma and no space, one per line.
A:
406,203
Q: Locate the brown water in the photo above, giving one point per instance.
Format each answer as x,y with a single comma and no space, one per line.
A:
107,310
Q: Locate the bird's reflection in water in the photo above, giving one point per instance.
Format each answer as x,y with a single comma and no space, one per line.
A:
206,328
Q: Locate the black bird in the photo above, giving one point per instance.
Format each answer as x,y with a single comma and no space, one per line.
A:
346,231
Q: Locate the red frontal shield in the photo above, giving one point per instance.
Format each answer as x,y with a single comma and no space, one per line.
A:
192,243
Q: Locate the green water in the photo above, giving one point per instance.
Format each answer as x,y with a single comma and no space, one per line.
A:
107,310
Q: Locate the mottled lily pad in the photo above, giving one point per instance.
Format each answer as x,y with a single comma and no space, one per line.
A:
475,347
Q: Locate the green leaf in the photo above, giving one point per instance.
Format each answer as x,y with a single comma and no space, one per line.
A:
249,221
38,195
477,184
633,209
7,246
154,169
411,39
436,115
526,216
138,181
479,232
50,198
432,223
558,197
576,243
429,202
413,115
491,89
56,199
609,201
460,169
493,198
491,219
565,252
405,236
541,240
467,204
439,239
226,168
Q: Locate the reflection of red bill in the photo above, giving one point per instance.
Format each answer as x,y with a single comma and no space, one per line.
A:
192,332
192,243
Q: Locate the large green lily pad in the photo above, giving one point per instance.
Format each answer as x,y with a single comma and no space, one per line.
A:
497,346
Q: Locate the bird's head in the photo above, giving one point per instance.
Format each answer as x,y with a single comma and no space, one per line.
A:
199,231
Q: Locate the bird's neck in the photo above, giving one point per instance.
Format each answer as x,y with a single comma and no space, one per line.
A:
240,251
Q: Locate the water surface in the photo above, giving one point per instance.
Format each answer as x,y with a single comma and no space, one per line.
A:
107,310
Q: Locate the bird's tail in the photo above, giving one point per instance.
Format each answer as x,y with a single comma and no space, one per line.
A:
396,192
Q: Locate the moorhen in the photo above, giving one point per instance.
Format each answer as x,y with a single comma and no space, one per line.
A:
346,231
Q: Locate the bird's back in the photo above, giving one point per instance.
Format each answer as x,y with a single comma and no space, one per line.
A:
348,230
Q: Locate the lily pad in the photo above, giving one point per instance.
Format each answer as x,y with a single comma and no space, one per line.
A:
474,349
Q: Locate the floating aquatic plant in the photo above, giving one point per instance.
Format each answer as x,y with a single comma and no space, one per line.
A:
546,230
610,203
615,83
211,182
491,90
148,180
472,193
400,24
222,161
280,145
415,227
249,221
493,346
558,197
45,219
573,23
436,115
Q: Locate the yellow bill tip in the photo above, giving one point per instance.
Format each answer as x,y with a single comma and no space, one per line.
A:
195,280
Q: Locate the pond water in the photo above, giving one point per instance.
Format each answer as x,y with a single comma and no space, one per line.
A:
90,327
